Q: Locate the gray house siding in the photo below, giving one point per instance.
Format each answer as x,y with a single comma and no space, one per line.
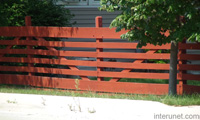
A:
85,17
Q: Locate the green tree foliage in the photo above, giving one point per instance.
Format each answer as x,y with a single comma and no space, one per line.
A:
147,19
43,13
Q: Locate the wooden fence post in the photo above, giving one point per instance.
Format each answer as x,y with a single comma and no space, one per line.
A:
181,72
98,40
28,23
173,69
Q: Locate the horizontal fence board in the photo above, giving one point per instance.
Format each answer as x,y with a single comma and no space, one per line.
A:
86,73
191,89
61,61
130,46
88,54
188,67
134,65
134,75
113,45
133,55
49,43
189,46
14,79
100,86
49,52
188,77
37,81
64,61
48,70
61,32
80,44
189,56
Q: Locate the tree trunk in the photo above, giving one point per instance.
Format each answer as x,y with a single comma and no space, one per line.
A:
173,69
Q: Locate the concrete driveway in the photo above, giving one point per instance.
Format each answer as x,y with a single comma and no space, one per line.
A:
45,107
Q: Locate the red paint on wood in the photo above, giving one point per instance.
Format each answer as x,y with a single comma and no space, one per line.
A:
49,61
62,32
191,89
188,67
71,67
183,46
48,70
98,50
188,56
100,86
134,75
50,43
152,66
97,33
137,61
49,52
28,23
10,46
82,44
184,76
130,46
134,55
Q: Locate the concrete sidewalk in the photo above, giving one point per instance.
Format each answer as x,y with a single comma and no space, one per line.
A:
44,107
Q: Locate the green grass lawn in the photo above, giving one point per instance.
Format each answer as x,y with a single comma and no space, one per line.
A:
183,100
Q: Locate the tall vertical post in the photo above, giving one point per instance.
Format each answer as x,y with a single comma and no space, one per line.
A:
173,69
181,72
28,23
98,50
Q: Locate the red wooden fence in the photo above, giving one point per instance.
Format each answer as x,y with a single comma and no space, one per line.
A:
183,67
41,70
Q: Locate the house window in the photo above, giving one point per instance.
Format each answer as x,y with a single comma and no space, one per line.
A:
79,2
